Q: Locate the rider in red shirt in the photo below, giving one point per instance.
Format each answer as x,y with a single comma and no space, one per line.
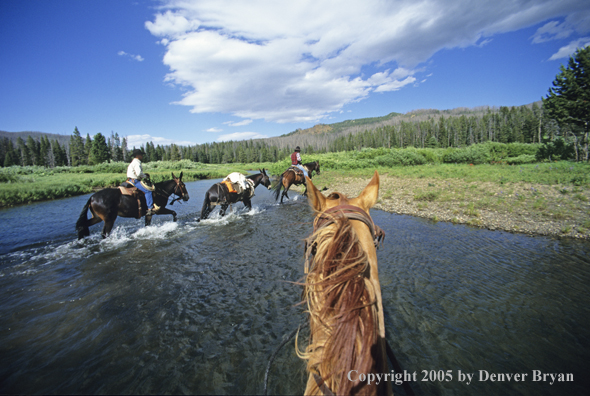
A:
296,160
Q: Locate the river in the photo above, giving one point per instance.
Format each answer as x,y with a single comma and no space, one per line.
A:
199,307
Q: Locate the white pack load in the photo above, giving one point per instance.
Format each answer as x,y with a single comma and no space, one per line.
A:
241,183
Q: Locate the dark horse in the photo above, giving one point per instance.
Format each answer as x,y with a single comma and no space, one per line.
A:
218,194
109,203
290,177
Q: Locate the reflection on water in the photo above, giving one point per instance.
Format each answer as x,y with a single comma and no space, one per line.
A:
198,308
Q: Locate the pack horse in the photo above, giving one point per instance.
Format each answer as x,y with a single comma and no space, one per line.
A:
234,188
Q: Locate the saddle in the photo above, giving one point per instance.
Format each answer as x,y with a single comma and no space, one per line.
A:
129,189
296,170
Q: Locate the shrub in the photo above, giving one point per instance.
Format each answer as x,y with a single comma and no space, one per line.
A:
555,150
476,154
521,159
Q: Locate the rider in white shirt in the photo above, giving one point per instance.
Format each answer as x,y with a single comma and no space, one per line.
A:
134,176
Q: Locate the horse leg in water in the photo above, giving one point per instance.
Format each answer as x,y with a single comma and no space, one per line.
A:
248,203
166,211
108,226
207,207
223,209
285,193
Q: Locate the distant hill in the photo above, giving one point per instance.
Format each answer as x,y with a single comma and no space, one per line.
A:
62,139
362,124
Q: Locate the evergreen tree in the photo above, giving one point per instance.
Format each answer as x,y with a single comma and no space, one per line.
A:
77,152
568,102
87,149
10,156
99,151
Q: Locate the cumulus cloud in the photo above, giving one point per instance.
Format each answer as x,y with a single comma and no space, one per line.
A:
214,130
241,136
299,61
566,51
138,140
138,58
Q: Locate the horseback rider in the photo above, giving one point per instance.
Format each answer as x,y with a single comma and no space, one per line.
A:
296,161
135,175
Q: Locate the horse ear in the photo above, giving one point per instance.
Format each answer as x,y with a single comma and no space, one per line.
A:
316,199
174,177
368,197
180,177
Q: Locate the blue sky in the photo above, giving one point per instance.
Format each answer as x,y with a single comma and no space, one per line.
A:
190,72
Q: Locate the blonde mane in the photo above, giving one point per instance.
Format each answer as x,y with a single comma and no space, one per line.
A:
341,303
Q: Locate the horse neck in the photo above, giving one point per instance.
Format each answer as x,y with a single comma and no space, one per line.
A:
311,166
256,179
338,296
167,187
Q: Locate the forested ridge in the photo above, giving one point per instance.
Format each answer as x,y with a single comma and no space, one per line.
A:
420,129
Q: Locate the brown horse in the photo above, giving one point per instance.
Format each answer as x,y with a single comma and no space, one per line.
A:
291,176
347,329
109,203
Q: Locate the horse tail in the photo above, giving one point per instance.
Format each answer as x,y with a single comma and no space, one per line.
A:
82,223
276,190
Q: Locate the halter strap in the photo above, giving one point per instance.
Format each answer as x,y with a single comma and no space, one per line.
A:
327,217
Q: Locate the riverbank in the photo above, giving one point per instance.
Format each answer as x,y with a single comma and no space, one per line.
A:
560,210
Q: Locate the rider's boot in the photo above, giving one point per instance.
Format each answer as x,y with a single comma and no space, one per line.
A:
153,210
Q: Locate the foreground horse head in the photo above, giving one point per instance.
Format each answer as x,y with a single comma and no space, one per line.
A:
343,295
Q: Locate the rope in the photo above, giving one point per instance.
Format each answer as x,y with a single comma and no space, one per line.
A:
274,355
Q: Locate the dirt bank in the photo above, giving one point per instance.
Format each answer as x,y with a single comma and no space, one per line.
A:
562,211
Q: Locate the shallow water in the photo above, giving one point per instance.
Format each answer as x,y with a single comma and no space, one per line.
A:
199,308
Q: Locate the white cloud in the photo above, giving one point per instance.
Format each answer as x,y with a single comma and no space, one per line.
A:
138,140
241,136
566,51
553,30
138,58
214,130
299,61
171,24
238,123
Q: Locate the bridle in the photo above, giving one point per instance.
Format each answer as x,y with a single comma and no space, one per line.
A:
176,188
351,212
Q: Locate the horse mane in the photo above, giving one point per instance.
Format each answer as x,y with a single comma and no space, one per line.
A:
341,303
